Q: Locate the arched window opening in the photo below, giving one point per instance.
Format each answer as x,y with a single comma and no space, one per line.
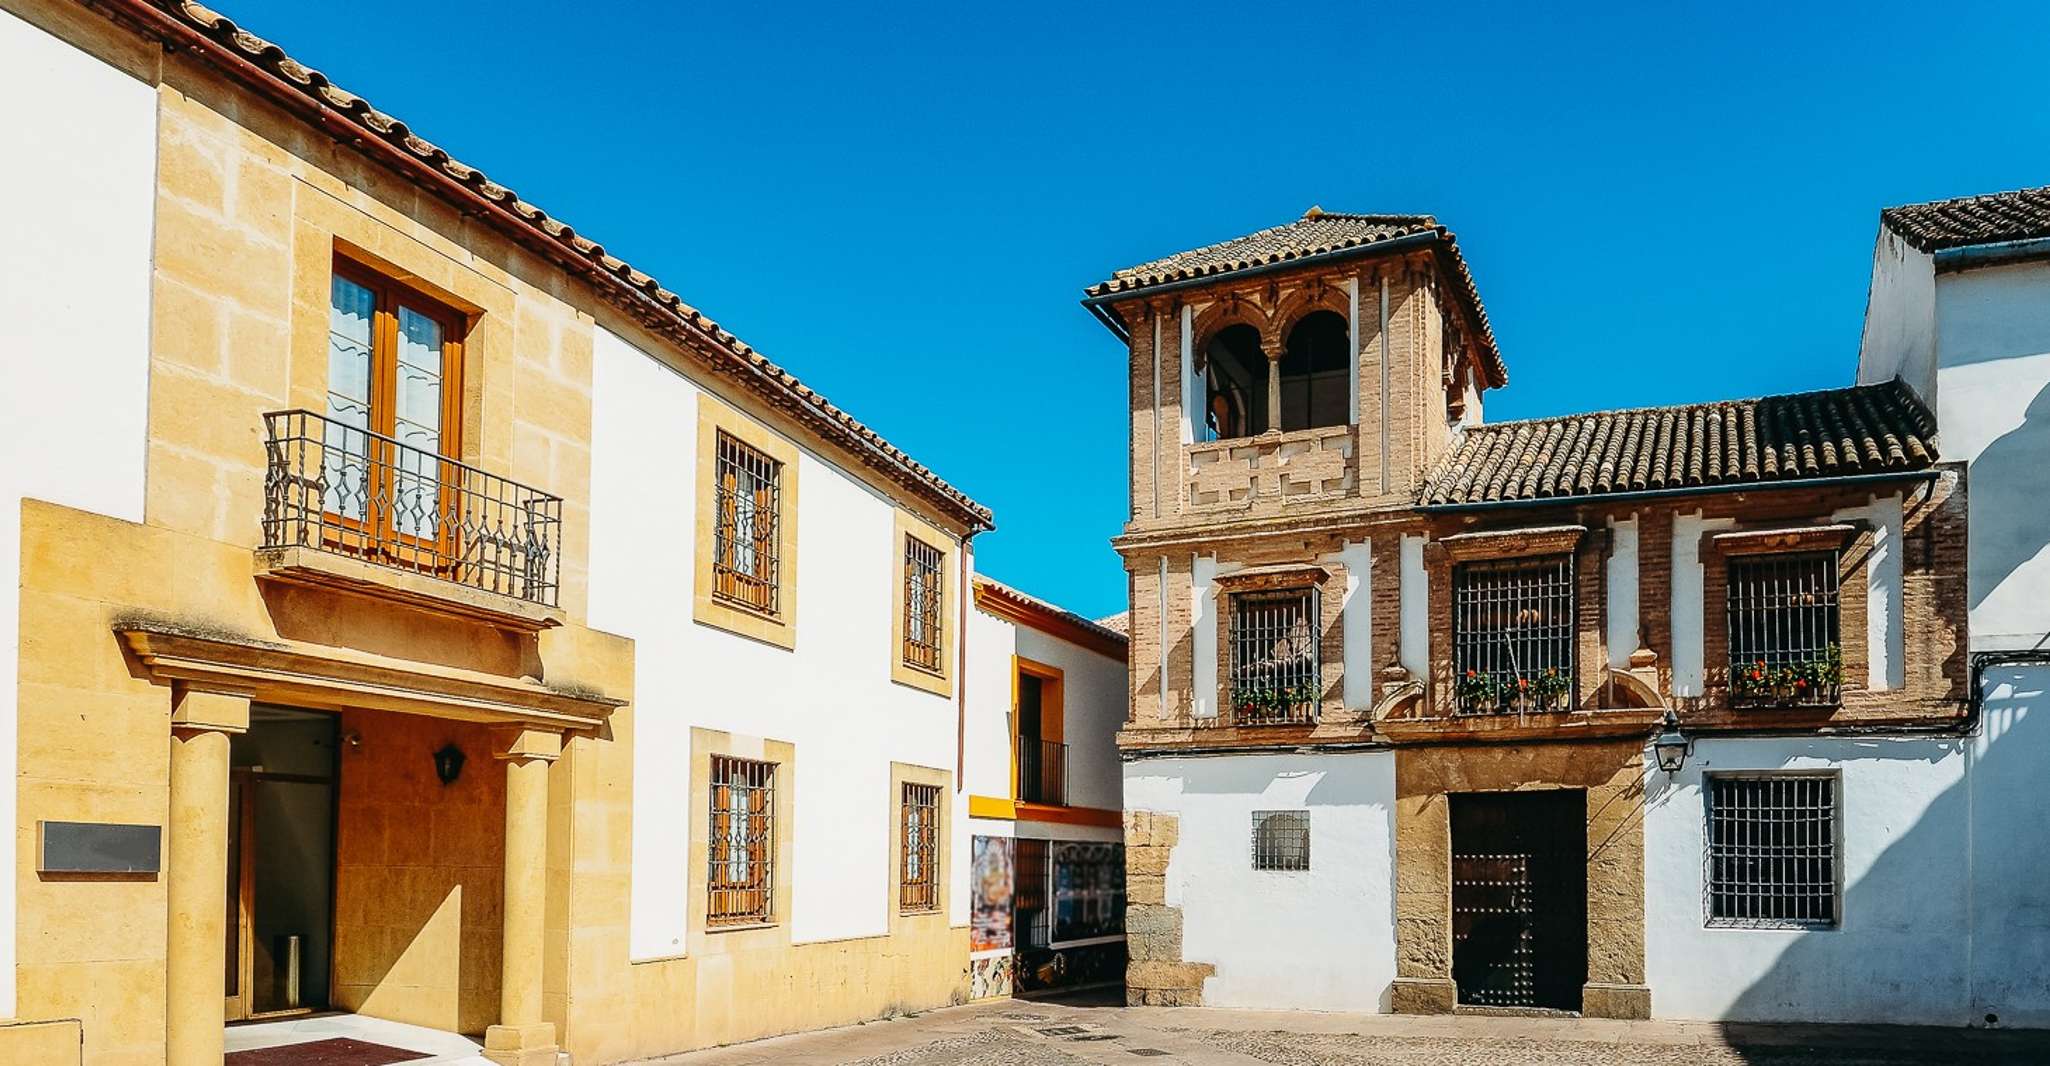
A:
1315,373
1235,380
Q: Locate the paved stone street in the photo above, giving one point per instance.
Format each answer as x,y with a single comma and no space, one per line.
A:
1094,1032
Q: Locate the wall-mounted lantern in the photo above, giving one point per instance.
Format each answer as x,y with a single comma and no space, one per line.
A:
448,763
1670,746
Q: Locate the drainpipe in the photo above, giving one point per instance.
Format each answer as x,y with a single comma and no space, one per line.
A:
961,664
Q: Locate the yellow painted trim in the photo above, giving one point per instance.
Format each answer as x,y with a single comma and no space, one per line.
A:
780,628
1041,812
940,683
1001,807
702,939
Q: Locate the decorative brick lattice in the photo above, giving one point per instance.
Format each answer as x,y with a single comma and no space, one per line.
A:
1315,464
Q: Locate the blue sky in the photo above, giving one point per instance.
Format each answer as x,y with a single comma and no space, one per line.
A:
902,208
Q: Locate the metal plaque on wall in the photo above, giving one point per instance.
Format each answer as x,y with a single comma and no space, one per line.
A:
98,848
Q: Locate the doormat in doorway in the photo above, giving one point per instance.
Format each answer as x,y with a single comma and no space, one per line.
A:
340,1051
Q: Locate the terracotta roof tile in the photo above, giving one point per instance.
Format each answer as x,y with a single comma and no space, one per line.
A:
2018,215
1318,232
772,381
1863,429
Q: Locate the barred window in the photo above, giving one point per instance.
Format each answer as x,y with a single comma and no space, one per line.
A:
1088,890
924,586
1274,668
742,842
1772,858
919,888
1031,913
1513,626
745,544
1784,642
1281,840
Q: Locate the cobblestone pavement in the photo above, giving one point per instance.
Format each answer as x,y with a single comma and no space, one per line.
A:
1092,1032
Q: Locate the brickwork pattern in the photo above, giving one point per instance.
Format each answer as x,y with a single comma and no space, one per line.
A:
1155,976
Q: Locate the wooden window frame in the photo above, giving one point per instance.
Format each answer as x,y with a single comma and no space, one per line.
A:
918,860
761,856
377,532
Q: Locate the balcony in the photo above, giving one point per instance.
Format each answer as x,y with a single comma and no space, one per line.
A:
348,508
1300,466
1042,771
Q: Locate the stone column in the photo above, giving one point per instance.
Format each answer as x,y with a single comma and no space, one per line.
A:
1274,352
522,1037
196,874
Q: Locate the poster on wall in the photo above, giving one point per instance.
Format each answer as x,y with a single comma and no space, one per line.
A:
989,920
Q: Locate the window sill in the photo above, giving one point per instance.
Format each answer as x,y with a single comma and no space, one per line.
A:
740,927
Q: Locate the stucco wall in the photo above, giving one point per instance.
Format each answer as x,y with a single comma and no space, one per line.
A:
1321,939
74,326
1993,411
1900,322
1909,949
1093,707
832,696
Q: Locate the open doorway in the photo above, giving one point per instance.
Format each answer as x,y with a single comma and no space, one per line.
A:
281,863
1519,898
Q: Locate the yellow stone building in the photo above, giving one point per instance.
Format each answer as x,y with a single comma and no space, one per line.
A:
417,616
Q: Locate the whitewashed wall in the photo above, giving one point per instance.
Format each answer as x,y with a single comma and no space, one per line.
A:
1975,344
1993,411
1093,708
1320,939
74,324
832,697
1945,915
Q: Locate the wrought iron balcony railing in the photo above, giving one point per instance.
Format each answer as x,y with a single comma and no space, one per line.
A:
338,487
1042,771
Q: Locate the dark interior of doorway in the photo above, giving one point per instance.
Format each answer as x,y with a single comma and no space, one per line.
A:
1519,898
281,862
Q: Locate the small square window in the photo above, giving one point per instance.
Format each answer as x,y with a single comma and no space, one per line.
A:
1281,840
1772,855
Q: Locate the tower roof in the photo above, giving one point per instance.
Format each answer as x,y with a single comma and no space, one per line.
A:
1317,235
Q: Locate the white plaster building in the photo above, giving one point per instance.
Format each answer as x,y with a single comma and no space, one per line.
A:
1046,876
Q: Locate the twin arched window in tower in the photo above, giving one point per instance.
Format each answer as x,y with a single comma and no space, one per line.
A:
1245,395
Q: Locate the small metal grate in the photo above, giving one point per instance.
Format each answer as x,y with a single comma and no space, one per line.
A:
924,585
1772,850
1512,634
1281,840
1784,644
742,848
1274,668
919,888
745,538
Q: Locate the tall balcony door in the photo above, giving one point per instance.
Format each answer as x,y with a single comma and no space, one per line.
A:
394,386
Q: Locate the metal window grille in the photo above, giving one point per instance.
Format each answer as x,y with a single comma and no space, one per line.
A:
742,849
918,889
1088,890
1784,641
342,488
745,539
1513,624
1031,895
1274,666
1772,850
924,585
1281,840
1042,770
